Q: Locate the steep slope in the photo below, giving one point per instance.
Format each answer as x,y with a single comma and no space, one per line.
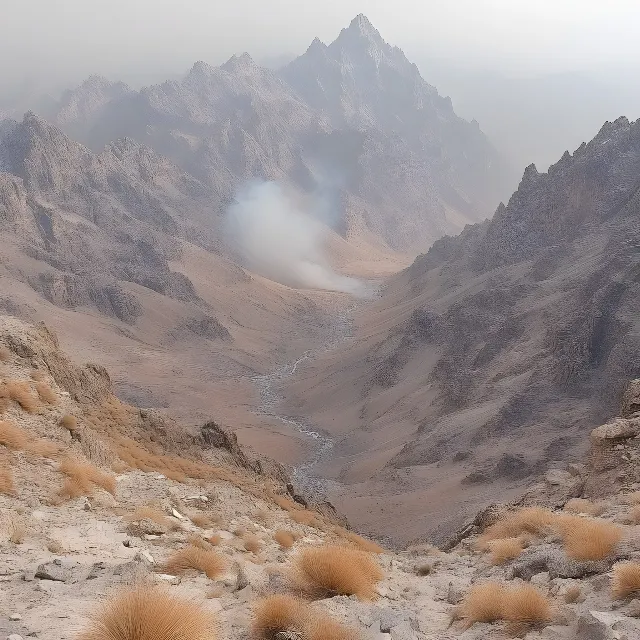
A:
353,123
494,352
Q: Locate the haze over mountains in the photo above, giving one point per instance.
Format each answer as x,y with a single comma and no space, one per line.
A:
515,336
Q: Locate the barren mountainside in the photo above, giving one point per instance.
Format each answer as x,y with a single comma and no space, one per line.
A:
495,352
353,121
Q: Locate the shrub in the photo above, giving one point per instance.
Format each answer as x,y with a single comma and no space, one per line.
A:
46,393
572,594
524,604
20,392
284,538
278,613
151,513
334,570
625,579
239,532
252,543
214,540
424,569
84,474
54,546
483,603
201,520
532,520
12,437
209,562
580,505
505,549
362,543
588,539
69,422
6,479
303,517
144,613
286,504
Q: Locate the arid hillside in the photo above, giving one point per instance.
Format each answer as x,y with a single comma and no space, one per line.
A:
491,356
117,520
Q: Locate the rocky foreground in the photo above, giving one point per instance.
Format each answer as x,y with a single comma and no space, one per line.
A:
97,496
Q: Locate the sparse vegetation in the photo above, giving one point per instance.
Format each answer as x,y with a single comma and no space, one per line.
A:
526,605
483,603
361,542
307,518
209,562
572,594
83,475
38,375
277,613
284,538
580,505
334,570
5,354
155,515
214,540
20,392
505,549
150,613
17,531
634,514
532,520
424,569
54,546
252,543
587,538
69,422
46,393
201,520
7,486
625,580
12,437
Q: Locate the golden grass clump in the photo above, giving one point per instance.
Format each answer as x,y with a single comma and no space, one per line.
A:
13,437
532,520
252,543
5,354
214,540
6,479
54,546
286,503
483,603
572,594
83,475
587,538
632,498
20,392
362,543
209,562
176,476
201,520
505,549
277,613
625,580
46,393
322,627
527,605
581,505
69,422
335,570
634,514
150,613
284,538
38,375
155,515
307,518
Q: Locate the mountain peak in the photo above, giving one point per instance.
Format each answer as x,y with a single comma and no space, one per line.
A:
363,25
235,63
358,30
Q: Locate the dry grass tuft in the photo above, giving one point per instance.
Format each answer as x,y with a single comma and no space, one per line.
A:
69,422
214,540
175,475
239,532
5,354
322,627
209,562
6,479
580,505
17,531
199,542
588,539
334,570
38,375
155,515
84,474
284,538
483,603
150,613
362,543
12,437
55,546
5,400
424,569
625,580
505,549
20,392
286,503
46,393
201,520
634,514
252,543
532,520
572,594
307,518
632,498
278,613
525,604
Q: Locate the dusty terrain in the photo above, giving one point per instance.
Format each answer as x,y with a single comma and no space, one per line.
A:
88,509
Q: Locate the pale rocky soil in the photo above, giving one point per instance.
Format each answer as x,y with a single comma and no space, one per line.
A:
47,591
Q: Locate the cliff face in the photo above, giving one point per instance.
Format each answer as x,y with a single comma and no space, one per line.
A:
503,345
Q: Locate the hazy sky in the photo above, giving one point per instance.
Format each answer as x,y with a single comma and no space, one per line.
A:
68,39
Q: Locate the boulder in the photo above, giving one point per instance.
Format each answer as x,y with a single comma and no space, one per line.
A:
631,399
57,570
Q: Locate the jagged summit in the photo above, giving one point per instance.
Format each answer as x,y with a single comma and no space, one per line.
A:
242,62
361,27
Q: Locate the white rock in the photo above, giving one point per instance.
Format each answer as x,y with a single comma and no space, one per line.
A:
175,514
15,617
165,577
147,556
14,636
